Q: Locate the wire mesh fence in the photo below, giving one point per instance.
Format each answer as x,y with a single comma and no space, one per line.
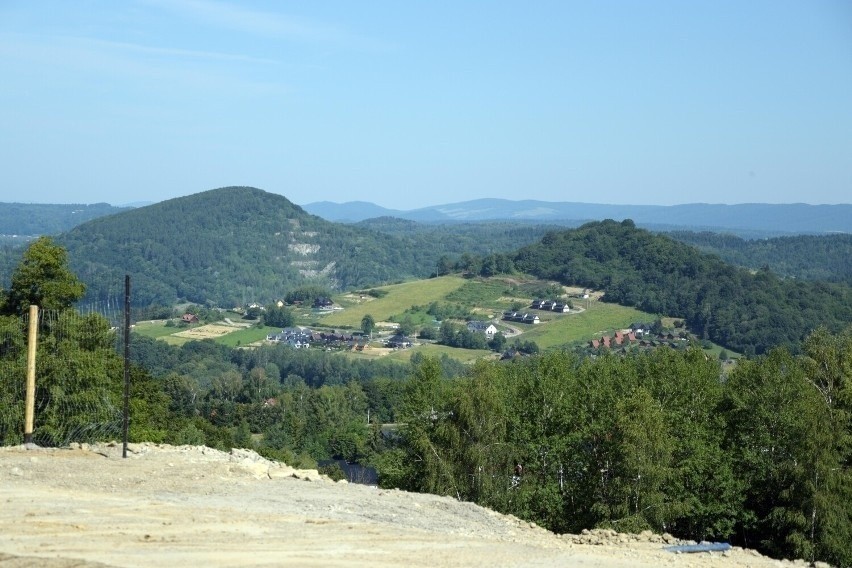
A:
77,377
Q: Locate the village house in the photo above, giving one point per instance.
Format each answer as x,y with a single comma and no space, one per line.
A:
482,327
189,318
399,341
640,329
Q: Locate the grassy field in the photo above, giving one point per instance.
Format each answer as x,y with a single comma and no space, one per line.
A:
599,318
232,336
486,295
154,329
399,298
247,336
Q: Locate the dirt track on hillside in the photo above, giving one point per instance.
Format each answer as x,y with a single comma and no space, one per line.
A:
193,506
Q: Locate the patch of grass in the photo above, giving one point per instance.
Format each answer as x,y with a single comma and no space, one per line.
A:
175,340
481,293
715,350
156,329
399,298
435,350
418,317
246,336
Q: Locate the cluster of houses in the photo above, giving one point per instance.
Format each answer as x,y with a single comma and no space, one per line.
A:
521,317
618,339
551,306
303,338
637,334
537,304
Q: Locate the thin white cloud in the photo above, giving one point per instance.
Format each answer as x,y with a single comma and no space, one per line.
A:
262,23
22,44
147,65
173,52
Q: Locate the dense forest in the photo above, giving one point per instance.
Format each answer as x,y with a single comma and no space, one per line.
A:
747,312
456,239
807,257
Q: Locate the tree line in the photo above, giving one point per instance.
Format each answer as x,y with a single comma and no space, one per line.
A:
806,257
654,441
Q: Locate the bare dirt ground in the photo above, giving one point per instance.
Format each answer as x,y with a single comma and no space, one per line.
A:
193,506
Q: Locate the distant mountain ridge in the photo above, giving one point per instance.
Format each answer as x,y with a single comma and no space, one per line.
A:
778,218
761,219
35,219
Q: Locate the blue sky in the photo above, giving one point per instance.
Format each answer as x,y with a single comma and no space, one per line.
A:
410,104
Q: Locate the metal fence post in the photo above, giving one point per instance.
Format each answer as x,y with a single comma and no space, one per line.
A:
126,364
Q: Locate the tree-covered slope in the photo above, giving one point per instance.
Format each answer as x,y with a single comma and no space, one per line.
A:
455,239
809,257
229,246
748,312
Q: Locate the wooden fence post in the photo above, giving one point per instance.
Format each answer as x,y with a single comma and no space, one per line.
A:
32,340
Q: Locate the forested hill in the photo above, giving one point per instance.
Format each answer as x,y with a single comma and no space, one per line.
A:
740,309
810,257
229,246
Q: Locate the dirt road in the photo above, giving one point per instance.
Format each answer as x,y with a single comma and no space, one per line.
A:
193,506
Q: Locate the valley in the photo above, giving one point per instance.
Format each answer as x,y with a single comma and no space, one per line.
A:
599,377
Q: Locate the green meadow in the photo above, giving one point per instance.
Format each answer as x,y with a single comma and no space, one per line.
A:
155,329
399,298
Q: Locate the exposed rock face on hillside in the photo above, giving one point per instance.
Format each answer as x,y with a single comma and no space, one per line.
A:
193,506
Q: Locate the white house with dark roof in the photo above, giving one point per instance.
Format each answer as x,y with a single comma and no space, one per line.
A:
482,327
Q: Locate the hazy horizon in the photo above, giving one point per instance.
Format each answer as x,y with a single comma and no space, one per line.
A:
145,203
